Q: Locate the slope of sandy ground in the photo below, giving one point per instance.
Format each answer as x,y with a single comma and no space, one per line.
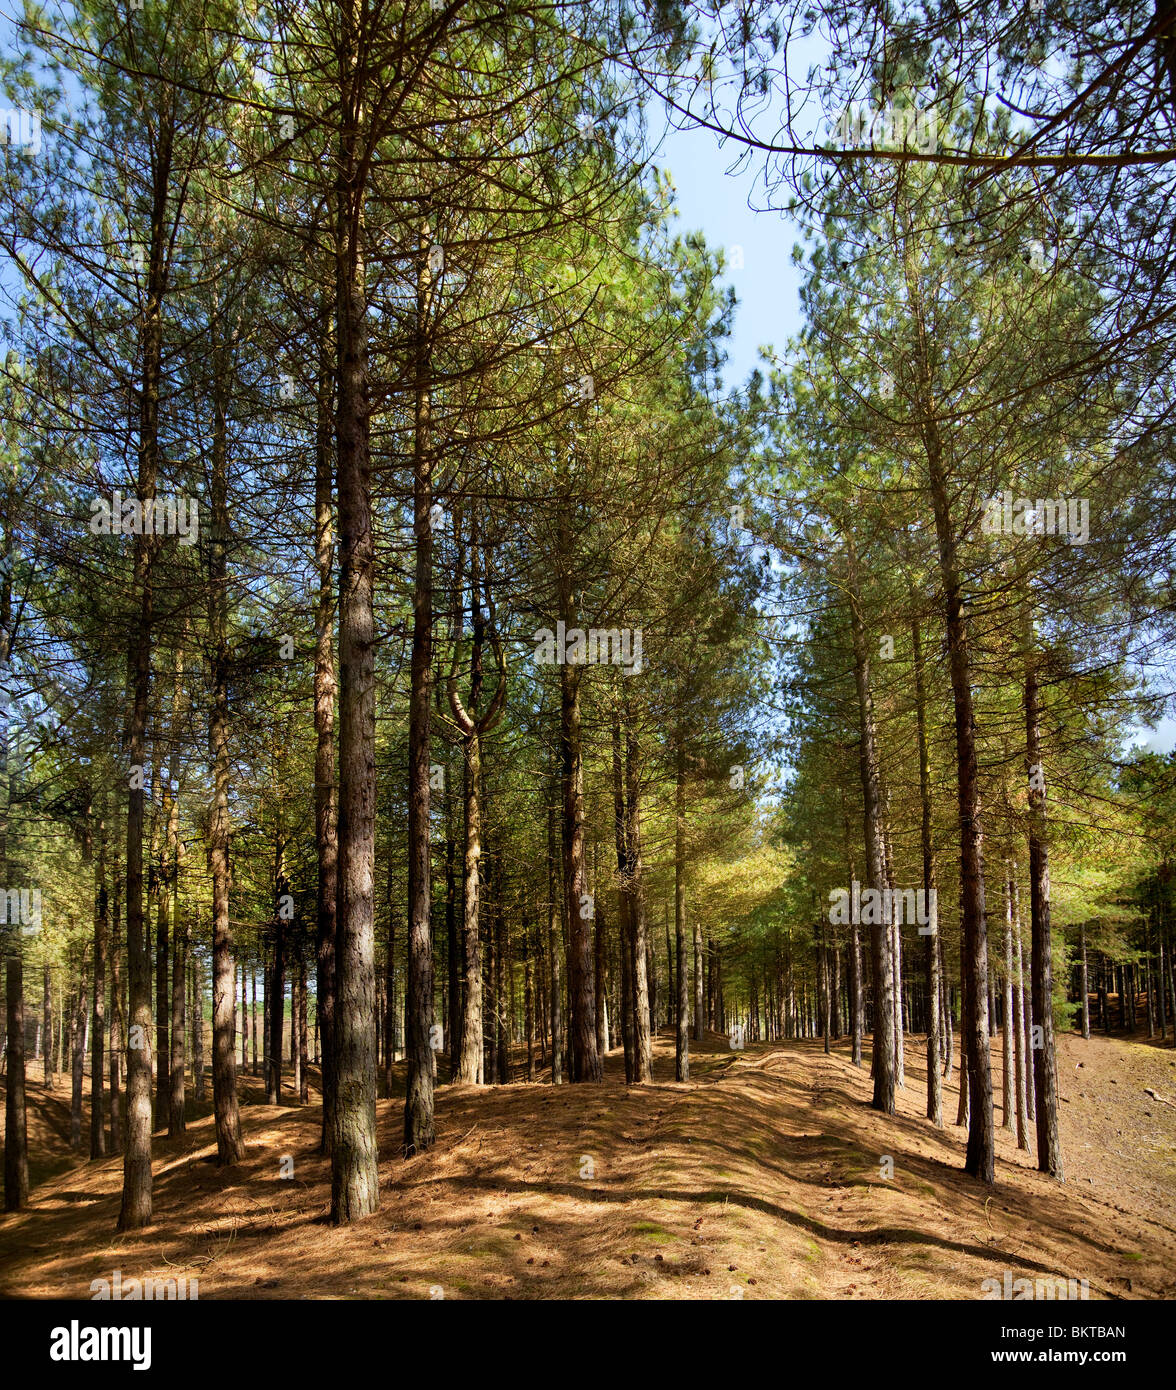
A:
762,1177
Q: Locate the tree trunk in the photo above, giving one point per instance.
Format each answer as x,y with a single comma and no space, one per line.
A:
98,1005
162,918
453,962
1049,1154
176,1072
389,1039
197,1020
47,1016
135,1210
930,929
468,1071
600,945
303,1037
1084,987
502,1000
326,804
354,1172
528,1002
77,1049
116,1016
275,989
1007,1086
230,1148
962,1112
882,957
16,1144
419,1132
295,1052
642,1044
554,942
682,1035
585,1059
1019,1020
699,959
980,1158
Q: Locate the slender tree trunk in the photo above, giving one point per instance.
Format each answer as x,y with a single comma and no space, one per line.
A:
1049,1153
135,1209
490,1013
389,1039
1171,988
502,1000
642,1043
116,1015
197,1020
303,1038
98,1005
930,929
699,996
883,1059
469,1063
980,1158
419,1132
624,933
453,962
682,1034
230,1148
585,1059
554,943
528,1002
163,918
1084,987
354,1171
1019,1029
1026,1014
77,1048
600,961
894,937
295,1053
826,990
177,1070
16,1145
326,804
47,1015
962,1112
276,992
1007,1087
856,987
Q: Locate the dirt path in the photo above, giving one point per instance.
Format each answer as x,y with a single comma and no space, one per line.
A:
762,1177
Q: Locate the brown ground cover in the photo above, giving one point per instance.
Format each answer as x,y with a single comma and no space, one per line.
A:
760,1178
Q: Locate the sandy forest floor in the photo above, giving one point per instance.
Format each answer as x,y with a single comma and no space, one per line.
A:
760,1178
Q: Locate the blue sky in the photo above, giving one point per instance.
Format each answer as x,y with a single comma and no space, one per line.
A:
715,202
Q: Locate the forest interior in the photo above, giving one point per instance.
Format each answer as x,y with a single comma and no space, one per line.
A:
508,794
